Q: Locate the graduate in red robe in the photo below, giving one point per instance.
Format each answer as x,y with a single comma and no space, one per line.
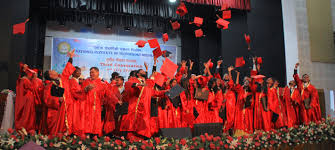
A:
187,104
25,102
229,100
214,101
110,124
78,96
59,104
309,97
292,99
262,115
40,107
174,109
201,106
244,107
97,98
275,105
138,93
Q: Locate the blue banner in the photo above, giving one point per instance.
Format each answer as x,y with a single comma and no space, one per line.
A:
108,56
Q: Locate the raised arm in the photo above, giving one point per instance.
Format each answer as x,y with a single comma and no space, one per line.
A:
237,78
296,77
189,72
154,67
229,72
69,68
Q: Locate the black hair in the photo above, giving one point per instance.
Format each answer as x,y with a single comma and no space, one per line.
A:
94,68
133,73
115,75
186,84
172,81
77,67
121,78
46,75
210,84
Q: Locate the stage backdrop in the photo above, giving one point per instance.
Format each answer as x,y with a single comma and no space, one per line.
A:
109,56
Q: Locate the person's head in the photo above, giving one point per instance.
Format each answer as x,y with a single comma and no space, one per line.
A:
269,82
173,82
276,83
225,77
291,83
94,73
77,72
50,75
114,75
119,81
305,78
212,83
141,73
132,74
246,81
218,82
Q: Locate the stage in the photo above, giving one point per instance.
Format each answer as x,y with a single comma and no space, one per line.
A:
315,136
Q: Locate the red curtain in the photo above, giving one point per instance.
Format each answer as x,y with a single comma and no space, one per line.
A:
237,4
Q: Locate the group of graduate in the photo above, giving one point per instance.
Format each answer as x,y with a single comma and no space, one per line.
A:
66,104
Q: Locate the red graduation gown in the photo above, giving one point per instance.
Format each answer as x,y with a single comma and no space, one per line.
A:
40,107
187,116
26,98
230,103
309,91
289,102
60,115
139,98
109,121
78,96
93,103
277,107
215,102
243,116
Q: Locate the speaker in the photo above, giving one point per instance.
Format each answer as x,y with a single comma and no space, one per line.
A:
176,132
215,129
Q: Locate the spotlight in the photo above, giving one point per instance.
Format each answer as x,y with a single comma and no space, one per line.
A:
62,23
172,1
127,28
150,30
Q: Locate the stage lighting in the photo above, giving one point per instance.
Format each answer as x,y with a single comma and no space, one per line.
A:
127,28
150,30
172,1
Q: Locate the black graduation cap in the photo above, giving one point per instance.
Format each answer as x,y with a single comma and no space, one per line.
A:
176,102
166,53
275,117
154,108
121,109
174,91
57,91
222,113
248,101
195,113
199,95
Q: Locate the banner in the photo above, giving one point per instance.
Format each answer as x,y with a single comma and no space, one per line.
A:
109,56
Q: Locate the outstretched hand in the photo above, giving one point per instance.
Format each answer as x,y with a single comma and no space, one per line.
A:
230,68
296,65
219,62
71,53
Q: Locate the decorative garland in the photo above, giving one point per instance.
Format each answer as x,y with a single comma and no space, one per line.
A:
304,134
